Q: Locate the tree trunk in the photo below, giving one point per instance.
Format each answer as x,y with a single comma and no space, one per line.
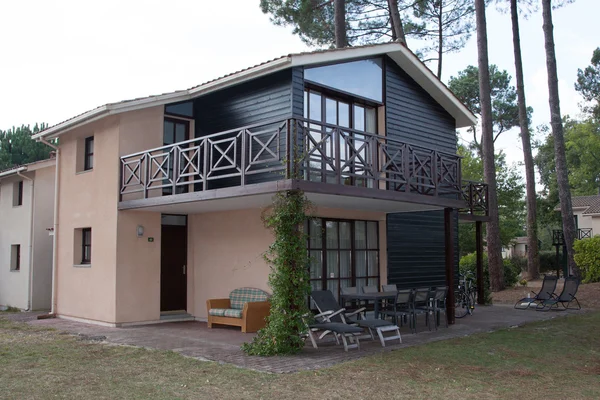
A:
533,259
562,178
494,247
340,23
440,41
397,28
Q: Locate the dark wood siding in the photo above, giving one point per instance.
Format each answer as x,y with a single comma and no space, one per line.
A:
415,249
298,92
412,115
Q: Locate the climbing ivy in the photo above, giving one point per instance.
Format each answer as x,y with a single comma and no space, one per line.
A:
289,278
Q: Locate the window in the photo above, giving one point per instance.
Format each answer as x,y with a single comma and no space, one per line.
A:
88,157
362,78
15,257
18,194
343,253
86,245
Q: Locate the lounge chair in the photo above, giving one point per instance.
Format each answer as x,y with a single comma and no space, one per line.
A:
565,298
348,333
545,293
325,302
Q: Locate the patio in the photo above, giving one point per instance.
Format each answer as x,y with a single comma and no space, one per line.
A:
222,344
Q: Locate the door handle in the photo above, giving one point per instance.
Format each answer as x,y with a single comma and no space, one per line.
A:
184,269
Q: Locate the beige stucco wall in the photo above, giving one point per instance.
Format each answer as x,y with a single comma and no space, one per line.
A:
88,199
15,229
226,252
41,279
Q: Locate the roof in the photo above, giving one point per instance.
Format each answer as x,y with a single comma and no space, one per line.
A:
32,166
590,204
406,59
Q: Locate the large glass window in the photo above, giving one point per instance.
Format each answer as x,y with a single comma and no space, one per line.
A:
362,78
343,253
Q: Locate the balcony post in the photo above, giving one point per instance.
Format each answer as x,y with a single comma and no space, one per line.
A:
449,246
288,151
244,133
436,175
205,164
336,136
145,160
175,169
406,165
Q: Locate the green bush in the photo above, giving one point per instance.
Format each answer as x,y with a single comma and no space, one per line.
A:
587,258
512,268
548,261
468,263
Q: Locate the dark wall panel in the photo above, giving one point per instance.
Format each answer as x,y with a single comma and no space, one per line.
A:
412,115
415,249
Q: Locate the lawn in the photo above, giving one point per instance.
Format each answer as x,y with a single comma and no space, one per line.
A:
555,359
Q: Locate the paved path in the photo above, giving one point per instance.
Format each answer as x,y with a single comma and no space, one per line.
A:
194,339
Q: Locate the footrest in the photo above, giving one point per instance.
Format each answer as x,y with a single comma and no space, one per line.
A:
388,328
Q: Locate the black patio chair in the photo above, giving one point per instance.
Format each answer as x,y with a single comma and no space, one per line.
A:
565,298
326,302
400,309
423,305
440,304
545,293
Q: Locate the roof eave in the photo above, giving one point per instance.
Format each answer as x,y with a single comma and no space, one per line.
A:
12,172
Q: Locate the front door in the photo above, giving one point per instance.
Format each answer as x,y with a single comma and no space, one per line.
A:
173,260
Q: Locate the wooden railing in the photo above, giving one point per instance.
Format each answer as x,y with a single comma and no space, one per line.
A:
295,149
475,195
558,238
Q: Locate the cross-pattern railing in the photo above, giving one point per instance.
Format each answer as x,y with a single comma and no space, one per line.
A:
299,149
475,194
558,238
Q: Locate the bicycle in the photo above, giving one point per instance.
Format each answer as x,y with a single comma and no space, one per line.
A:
465,296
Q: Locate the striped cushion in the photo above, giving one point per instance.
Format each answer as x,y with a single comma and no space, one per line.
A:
225,312
239,297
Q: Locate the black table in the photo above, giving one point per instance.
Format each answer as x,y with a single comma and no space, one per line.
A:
376,297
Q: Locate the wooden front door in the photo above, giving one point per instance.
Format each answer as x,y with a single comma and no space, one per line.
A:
173,268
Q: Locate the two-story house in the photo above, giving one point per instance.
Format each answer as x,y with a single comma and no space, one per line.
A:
160,198
26,222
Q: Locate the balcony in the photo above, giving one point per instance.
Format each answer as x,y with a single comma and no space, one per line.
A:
299,154
558,239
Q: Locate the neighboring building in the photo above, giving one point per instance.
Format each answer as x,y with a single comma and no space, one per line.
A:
586,212
26,215
516,248
160,198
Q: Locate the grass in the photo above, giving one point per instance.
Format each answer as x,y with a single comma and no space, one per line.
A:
10,309
559,358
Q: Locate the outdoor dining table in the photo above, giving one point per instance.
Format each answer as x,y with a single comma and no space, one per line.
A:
376,297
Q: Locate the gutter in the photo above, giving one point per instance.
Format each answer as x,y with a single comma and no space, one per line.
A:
12,171
55,224
30,294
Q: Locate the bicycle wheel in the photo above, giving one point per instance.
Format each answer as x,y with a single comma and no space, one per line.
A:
461,304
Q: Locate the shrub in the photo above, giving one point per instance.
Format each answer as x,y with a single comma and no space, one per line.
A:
523,282
512,268
587,258
548,261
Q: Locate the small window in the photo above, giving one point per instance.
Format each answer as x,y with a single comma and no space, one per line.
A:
86,246
18,194
15,257
88,157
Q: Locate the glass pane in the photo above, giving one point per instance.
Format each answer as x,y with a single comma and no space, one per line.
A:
315,233
344,115
167,219
360,235
90,146
361,263
371,121
305,104
363,78
374,282
360,283
169,133
345,235
345,264
372,235
332,265
359,118
316,264
331,111
185,109
180,132
372,260
315,106
344,283
331,234
334,287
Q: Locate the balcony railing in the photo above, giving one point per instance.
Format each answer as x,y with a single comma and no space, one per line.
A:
295,149
475,195
558,238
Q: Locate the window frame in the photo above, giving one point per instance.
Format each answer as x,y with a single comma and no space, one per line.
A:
86,246
15,264
88,156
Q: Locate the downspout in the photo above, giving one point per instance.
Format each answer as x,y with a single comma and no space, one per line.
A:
30,294
55,224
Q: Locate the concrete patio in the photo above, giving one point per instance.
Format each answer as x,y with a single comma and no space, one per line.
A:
222,344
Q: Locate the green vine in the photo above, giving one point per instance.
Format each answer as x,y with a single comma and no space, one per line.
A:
289,277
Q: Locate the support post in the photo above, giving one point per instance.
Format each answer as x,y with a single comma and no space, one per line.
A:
558,262
479,251
449,245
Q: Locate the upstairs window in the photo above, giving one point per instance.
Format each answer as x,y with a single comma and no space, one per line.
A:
15,257
363,78
18,194
88,156
86,246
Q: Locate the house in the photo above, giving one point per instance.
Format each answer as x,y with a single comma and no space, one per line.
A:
586,212
26,214
160,198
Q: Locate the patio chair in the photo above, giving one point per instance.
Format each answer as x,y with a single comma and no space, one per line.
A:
389,288
439,304
348,333
401,307
325,301
545,293
566,297
422,305
355,305
369,289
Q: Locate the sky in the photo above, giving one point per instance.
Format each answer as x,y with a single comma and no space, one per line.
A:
61,58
